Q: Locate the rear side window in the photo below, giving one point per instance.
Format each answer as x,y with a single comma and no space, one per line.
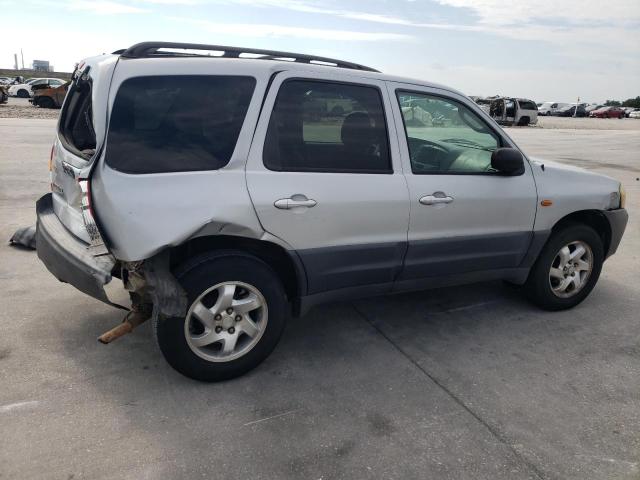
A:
527,105
76,124
321,126
177,123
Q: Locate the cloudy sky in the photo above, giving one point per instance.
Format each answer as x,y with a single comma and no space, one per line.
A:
542,49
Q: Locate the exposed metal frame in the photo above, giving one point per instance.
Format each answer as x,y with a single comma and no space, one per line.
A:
152,49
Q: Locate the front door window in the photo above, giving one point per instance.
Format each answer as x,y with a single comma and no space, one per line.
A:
444,136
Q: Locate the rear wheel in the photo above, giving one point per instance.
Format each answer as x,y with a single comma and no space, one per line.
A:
45,102
523,122
22,93
567,269
237,312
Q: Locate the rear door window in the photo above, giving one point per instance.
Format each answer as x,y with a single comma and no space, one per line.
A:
321,126
177,123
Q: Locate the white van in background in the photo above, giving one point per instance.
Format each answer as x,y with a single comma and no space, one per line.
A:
549,108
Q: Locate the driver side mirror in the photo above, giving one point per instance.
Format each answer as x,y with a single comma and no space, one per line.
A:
508,161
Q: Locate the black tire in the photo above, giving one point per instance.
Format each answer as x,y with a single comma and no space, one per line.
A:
203,272
523,122
46,102
538,288
22,93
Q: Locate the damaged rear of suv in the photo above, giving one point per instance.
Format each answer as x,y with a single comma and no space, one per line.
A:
139,196
227,192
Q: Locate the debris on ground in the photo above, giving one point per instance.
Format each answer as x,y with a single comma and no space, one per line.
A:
25,237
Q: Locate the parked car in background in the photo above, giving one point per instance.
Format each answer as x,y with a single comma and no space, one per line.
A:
23,90
608,112
5,80
510,111
590,108
45,96
548,108
628,110
635,113
227,194
570,111
15,89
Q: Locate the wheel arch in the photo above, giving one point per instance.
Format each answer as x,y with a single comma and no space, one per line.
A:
593,218
286,264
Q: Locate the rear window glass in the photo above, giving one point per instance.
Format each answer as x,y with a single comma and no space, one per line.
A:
527,105
177,123
76,125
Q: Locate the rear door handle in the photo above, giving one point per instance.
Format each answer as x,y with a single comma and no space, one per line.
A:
436,199
295,201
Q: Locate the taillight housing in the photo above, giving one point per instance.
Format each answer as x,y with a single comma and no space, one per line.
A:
51,157
88,213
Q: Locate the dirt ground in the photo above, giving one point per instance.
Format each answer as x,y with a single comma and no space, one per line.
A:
588,123
21,108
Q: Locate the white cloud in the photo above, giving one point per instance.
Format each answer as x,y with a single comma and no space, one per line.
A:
269,30
539,85
501,12
102,7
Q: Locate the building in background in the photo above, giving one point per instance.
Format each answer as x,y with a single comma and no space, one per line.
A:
42,66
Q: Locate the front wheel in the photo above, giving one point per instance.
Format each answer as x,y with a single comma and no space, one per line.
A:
22,93
237,312
567,269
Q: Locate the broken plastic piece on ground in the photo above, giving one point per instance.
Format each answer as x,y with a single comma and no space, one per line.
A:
25,236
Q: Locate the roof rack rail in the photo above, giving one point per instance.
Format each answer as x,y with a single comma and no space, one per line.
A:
152,49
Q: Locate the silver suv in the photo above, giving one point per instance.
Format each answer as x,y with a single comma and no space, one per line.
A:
229,190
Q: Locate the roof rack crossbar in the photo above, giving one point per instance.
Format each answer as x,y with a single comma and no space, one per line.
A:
151,49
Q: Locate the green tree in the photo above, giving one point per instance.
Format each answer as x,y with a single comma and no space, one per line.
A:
632,102
612,103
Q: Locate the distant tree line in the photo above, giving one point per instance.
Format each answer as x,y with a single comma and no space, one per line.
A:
630,102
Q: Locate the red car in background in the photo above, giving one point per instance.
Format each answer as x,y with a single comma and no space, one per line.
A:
608,112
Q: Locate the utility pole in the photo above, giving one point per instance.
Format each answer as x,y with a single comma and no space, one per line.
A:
22,55
15,61
575,111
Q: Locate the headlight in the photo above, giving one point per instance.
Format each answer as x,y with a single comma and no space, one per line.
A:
623,196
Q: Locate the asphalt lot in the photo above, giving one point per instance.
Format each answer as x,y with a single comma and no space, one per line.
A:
460,383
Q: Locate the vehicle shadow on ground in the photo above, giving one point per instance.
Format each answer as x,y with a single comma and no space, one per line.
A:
338,369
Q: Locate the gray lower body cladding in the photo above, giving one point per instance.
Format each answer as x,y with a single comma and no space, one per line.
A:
348,266
460,255
353,271
333,268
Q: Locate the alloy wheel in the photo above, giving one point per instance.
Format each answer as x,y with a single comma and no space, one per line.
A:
226,321
571,269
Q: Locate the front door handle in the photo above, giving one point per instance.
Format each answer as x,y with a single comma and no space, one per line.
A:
295,201
436,199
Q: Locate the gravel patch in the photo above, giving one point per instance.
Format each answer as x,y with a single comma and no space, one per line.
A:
21,108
